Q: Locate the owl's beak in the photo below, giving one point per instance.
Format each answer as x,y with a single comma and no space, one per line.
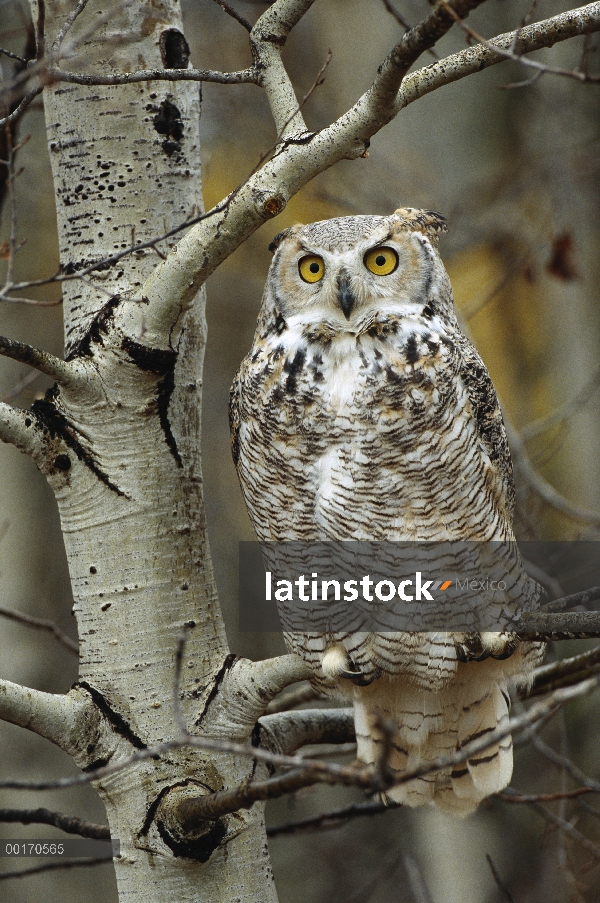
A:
345,295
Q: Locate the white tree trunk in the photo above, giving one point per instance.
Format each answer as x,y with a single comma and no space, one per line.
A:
121,451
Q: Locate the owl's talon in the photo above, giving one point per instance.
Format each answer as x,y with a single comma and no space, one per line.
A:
501,656
482,657
357,677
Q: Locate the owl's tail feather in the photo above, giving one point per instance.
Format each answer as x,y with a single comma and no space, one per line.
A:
431,724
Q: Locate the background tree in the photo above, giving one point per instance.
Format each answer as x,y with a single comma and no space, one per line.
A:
119,439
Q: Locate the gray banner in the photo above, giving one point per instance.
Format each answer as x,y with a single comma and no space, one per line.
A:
70,848
385,587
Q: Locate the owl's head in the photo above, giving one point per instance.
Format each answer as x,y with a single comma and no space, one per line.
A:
352,271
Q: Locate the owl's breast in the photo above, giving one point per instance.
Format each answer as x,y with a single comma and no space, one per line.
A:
363,437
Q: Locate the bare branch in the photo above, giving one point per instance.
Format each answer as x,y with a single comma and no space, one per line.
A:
501,886
326,771
234,14
48,714
54,866
565,672
174,283
61,371
541,68
570,24
67,823
242,76
286,732
292,698
541,627
267,39
67,24
335,819
568,829
18,428
17,113
13,56
537,483
513,796
41,624
564,412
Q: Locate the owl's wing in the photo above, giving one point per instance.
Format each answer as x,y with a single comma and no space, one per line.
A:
234,414
490,424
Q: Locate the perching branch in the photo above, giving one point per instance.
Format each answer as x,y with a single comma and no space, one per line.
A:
566,672
286,732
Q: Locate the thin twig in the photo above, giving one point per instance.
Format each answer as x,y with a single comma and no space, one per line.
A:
568,829
337,818
13,56
562,762
55,866
18,112
405,23
67,823
18,387
512,796
501,886
234,14
564,412
562,673
41,624
67,24
577,74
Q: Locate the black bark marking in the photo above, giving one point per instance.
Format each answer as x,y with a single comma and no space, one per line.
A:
200,849
98,327
62,462
121,727
153,360
174,49
158,361
230,660
57,425
164,391
168,122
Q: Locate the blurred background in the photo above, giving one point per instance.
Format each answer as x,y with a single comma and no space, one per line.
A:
514,169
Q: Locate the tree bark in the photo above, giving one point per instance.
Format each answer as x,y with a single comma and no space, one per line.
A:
120,445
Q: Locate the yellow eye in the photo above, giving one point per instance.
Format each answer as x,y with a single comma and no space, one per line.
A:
311,268
381,261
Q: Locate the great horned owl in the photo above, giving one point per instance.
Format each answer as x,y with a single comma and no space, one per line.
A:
362,412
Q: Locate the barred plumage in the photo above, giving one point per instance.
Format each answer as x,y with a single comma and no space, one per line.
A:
362,412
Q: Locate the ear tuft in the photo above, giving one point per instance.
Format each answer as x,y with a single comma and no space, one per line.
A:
283,234
428,222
